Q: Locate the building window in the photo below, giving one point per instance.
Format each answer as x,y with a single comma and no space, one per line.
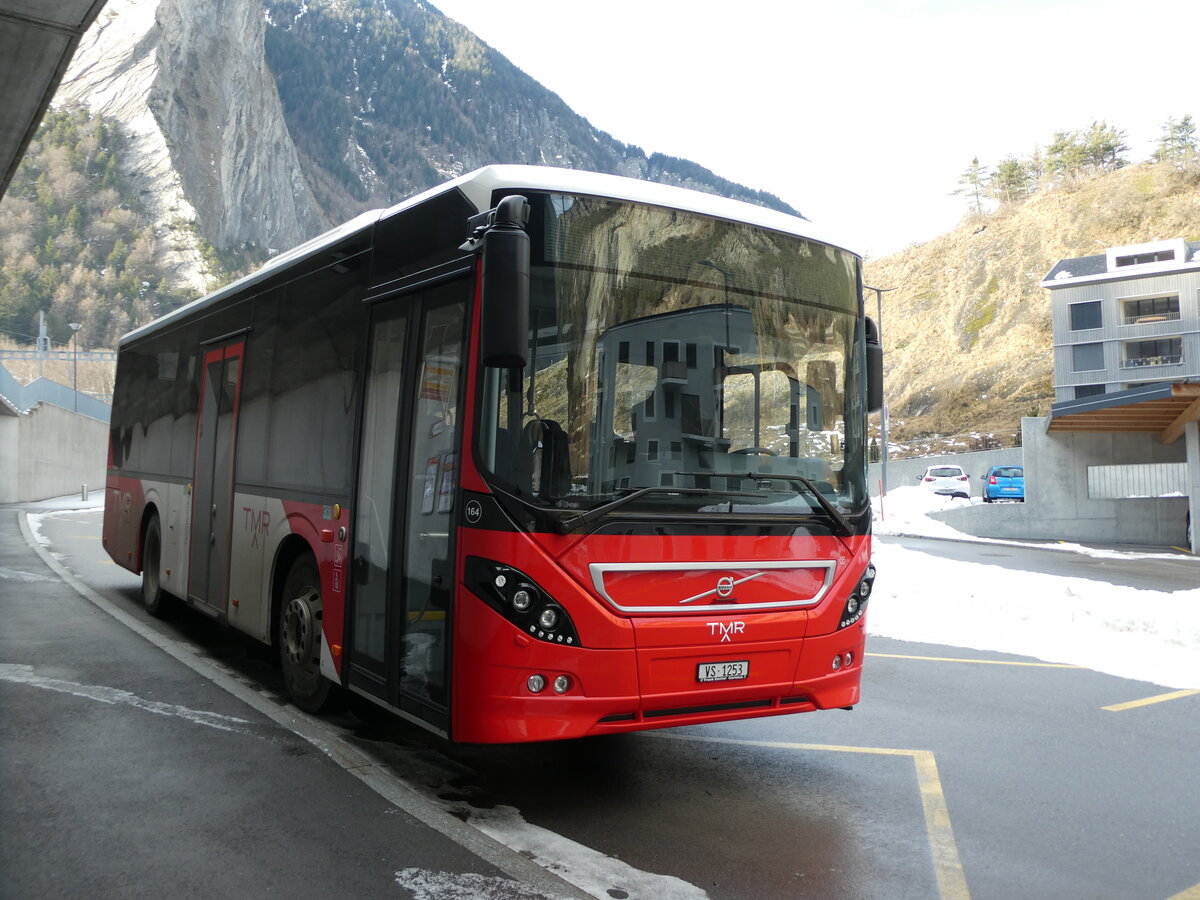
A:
1151,309
1087,357
1141,259
1085,315
1165,352
1088,390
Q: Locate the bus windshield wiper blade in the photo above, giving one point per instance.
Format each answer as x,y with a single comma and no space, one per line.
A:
843,527
566,526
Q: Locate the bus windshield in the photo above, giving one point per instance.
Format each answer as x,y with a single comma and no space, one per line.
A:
720,363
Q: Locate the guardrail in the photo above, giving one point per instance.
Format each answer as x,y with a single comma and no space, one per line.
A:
68,355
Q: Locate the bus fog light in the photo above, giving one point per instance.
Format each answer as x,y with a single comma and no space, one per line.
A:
521,600
549,618
837,663
562,684
848,660
536,683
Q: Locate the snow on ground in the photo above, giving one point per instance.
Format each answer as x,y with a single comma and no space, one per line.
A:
1145,635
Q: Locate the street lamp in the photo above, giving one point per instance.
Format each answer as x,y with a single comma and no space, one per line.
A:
75,326
883,413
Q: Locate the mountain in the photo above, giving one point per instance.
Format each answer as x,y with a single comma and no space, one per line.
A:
968,344
264,123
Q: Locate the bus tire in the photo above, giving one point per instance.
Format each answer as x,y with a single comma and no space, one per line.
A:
156,600
300,612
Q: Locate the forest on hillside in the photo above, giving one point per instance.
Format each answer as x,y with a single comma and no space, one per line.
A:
74,240
386,99
1069,156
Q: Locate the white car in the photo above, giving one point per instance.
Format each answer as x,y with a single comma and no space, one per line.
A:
950,480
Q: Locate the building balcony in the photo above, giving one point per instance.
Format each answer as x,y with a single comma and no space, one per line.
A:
1152,319
1139,361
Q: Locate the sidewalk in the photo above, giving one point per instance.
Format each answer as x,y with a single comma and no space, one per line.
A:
131,765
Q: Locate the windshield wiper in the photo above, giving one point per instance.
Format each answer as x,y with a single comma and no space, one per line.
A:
843,526
566,526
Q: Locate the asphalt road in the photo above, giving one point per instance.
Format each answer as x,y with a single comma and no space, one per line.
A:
961,774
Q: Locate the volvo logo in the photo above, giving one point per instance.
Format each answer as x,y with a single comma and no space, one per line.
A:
724,588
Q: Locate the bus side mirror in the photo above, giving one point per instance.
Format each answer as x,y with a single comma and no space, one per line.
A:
504,320
874,367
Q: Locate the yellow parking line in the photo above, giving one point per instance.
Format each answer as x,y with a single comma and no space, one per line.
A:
982,662
951,879
1157,698
1192,893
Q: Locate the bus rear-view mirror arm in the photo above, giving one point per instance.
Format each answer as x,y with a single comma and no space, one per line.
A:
499,235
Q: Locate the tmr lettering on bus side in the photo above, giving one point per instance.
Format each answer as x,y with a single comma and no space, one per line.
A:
258,523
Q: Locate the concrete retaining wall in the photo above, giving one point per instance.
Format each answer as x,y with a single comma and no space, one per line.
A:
1057,504
50,452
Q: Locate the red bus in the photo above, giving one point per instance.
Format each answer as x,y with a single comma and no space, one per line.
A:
536,454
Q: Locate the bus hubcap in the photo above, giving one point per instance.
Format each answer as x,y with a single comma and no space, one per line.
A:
298,630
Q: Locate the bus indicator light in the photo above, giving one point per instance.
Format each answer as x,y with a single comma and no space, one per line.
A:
536,683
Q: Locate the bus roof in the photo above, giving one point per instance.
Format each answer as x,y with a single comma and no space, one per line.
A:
477,187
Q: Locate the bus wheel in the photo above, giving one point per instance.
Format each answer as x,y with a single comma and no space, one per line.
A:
155,599
300,637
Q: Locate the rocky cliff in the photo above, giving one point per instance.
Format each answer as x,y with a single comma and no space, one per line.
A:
256,124
209,143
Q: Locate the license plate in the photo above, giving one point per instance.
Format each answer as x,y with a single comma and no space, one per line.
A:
723,671
1014,490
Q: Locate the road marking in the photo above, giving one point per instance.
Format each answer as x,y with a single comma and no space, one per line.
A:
22,674
982,662
1157,698
951,879
1192,893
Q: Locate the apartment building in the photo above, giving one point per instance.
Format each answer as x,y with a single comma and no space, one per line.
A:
1125,318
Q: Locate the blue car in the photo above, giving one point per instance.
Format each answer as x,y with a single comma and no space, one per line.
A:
1004,483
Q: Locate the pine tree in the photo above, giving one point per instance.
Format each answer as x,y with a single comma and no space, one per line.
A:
1104,147
1178,141
974,183
1011,181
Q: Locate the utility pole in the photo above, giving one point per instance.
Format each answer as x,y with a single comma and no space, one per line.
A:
883,413
75,326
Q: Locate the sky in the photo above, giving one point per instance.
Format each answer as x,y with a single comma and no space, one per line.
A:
861,114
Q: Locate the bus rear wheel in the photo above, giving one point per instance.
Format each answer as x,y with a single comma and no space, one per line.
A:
300,612
154,598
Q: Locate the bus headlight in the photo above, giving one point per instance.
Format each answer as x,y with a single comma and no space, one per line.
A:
521,600
856,603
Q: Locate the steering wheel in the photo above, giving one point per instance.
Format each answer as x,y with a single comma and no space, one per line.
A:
762,451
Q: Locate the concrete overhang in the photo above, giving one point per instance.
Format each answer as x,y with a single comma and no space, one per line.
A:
37,40
1163,409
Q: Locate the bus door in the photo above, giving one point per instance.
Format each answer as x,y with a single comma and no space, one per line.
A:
408,478
212,486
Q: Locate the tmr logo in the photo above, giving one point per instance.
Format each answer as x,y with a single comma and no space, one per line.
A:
726,629
258,524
